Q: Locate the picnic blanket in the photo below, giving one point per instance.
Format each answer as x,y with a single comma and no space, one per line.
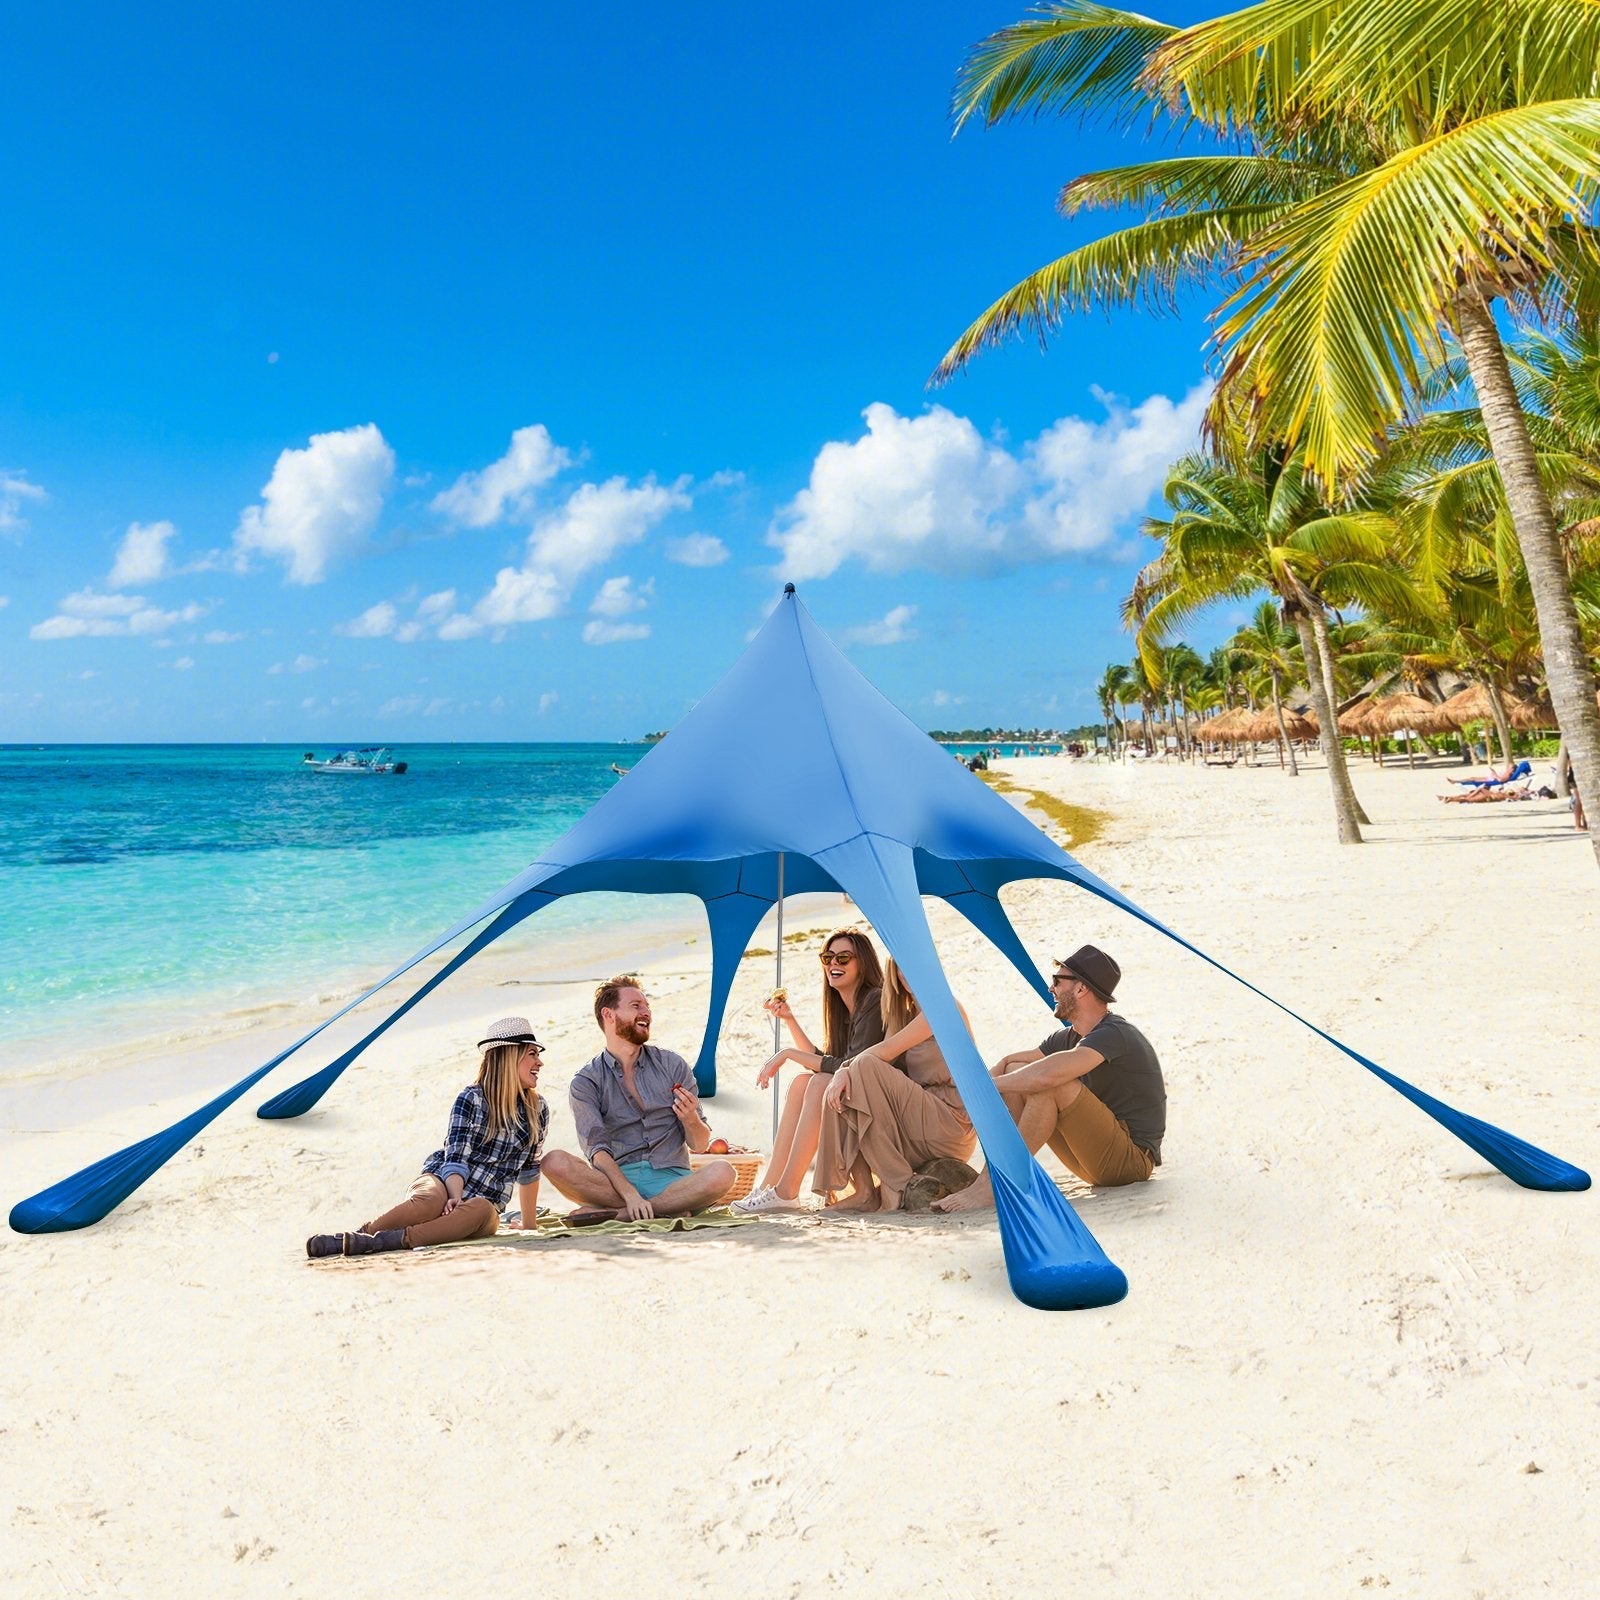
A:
555,1227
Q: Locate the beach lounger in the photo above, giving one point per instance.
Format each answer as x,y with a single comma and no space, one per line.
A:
1523,769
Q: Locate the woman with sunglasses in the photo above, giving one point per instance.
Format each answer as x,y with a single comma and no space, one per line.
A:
852,1021
497,1131
891,1109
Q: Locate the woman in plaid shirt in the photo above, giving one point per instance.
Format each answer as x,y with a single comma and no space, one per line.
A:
497,1130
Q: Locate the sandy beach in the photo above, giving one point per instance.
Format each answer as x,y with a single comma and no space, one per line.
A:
1353,1356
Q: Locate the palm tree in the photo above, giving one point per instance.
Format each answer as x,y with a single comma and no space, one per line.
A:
1111,680
1398,166
1269,645
1253,523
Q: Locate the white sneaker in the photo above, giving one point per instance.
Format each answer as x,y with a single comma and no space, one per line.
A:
759,1200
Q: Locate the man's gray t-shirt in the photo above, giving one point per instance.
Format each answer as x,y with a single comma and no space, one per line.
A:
1129,1080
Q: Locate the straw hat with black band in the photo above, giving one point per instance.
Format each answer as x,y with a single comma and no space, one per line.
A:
508,1030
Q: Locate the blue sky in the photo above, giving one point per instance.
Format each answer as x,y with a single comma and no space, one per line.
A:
407,372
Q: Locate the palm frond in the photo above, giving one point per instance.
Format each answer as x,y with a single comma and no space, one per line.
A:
1148,263
1185,184
1344,309
1068,57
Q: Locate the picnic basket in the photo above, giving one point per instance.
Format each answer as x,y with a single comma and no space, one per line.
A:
747,1166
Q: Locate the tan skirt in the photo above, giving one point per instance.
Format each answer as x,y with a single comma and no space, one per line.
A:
894,1124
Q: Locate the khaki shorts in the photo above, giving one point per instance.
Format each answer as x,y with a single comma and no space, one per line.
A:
1097,1146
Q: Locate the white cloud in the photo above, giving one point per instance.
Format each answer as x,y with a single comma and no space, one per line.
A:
546,700
321,503
15,490
943,697
930,492
598,632
891,629
142,555
301,663
411,705
597,520
84,676
505,487
183,664
697,550
219,636
617,597
87,614
437,605
376,622
5,600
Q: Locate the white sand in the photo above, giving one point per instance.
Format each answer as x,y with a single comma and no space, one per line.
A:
1346,1339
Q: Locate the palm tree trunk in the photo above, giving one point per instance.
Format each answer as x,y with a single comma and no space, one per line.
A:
1502,723
1319,631
1283,732
1344,798
1567,669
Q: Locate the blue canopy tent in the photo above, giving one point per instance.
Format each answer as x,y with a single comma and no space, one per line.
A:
866,803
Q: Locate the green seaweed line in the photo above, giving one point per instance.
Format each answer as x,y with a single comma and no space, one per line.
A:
1080,825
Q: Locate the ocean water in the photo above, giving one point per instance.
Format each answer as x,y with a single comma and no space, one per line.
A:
141,883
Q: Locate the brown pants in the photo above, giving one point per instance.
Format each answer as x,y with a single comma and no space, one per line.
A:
1096,1145
421,1214
895,1125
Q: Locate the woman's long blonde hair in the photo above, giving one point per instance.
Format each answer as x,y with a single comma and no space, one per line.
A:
835,1015
898,1003
503,1095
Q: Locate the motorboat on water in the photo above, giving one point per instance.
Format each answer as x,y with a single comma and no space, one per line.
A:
370,761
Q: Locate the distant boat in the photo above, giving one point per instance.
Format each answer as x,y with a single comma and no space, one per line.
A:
620,771
370,761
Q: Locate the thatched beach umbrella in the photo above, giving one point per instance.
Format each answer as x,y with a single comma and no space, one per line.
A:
1530,714
1397,713
1471,704
1223,729
1358,718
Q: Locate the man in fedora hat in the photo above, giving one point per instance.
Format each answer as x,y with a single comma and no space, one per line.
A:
1092,1091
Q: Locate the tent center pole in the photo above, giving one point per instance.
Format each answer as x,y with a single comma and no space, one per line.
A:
777,983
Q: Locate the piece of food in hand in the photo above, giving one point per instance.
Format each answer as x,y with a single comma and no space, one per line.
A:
777,995
718,1147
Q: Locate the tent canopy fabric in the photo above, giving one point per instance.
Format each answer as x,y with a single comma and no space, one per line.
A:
860,801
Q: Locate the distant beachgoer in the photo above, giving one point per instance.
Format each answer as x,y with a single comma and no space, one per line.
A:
638,1117
497,1129
1093,1090
891,1109
1579,820
852,1021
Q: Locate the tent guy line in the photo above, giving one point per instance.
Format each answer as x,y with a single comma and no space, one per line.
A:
870,807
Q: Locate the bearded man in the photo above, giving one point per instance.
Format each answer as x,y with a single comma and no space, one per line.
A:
638,1117
1093,1091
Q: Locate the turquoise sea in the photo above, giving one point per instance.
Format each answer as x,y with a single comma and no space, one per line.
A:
147,880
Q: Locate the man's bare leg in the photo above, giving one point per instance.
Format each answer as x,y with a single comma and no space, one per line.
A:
1036,1116
703,1187
577,1180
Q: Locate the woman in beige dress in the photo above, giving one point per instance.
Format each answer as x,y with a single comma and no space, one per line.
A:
852,1020
890,1109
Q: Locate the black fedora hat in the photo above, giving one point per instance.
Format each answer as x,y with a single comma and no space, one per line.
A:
1095,967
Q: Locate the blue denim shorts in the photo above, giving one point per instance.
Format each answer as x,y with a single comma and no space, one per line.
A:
650,1181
